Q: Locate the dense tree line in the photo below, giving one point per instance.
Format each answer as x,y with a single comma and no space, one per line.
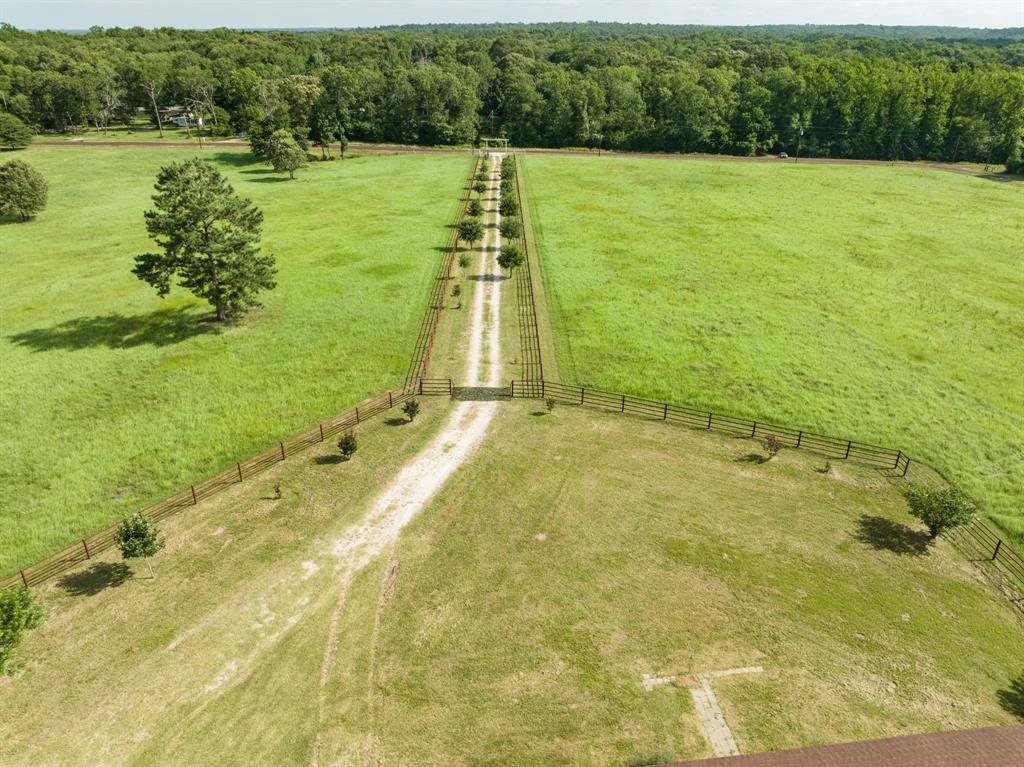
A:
840,93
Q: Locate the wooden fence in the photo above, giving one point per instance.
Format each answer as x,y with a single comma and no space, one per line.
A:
977,539
438,292
89,547
529,331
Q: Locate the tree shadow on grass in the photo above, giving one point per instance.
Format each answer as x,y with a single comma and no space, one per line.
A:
883,534
92,580
236,158
1012,699
397,421
328,460
162,327
752,458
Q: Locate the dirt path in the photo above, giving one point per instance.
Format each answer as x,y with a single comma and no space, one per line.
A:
422,477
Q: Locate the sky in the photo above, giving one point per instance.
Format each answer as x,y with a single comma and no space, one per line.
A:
201,14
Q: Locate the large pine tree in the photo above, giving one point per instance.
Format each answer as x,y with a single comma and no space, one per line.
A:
209,239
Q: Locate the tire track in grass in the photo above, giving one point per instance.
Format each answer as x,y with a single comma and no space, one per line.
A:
422,477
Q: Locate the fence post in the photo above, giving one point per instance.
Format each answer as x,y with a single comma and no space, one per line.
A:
799,438
421,385
391,404
709,420
239,467
321,432
753,430
543,393
357,415
282,451
848,446
623,408
664,415
999,545
89,556
23,578
905,467
195,501
512,389
581,395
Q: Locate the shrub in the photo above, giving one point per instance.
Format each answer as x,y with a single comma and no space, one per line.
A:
411,409
20,612
348,444
1015,162
474,208
550,404
457,293
480,187
23,189
138,537
772,446
940,510
463,261
14,134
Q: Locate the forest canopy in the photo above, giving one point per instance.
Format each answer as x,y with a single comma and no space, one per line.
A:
868,92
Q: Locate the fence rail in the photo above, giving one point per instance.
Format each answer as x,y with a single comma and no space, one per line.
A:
438,292
978,538
529,329
97,543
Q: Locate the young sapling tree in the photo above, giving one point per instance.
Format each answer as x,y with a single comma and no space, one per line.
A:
138,537
470,230
510,257
509,206
348,444
510,228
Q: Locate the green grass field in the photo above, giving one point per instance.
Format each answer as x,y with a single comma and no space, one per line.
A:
873,303
113,397
516,628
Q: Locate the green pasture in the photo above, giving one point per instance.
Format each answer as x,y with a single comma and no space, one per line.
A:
113,397
515,617
867,302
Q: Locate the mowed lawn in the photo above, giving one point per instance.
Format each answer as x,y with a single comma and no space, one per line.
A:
516,627
873,303
113,397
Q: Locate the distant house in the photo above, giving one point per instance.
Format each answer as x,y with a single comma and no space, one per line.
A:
181,117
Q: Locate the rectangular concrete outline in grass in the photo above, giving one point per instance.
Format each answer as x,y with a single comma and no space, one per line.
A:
710,713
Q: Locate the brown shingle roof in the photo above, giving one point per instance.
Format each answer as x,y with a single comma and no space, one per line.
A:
988,747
